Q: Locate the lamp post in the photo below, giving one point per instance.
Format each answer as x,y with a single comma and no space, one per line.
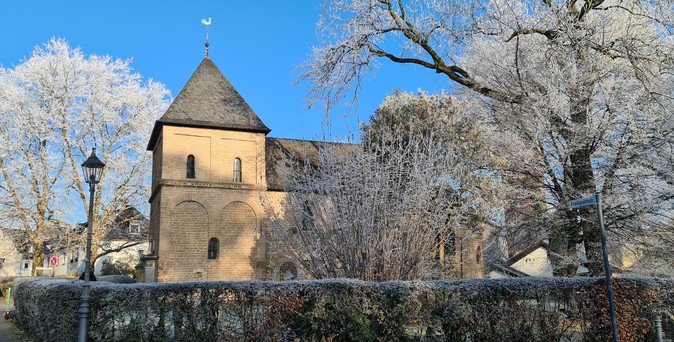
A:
92,168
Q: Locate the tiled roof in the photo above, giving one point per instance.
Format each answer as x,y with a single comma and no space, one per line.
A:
299,152
277,149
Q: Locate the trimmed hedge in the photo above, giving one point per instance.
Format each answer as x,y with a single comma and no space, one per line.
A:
533,309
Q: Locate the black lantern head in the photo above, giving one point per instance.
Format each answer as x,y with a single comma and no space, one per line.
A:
92,168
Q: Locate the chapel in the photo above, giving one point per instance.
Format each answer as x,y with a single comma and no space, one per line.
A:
212,163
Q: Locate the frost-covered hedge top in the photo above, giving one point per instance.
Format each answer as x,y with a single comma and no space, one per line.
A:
512,285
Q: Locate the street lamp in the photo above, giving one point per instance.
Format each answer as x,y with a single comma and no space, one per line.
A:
92,168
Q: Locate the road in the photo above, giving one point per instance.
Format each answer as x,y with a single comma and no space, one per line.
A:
6,328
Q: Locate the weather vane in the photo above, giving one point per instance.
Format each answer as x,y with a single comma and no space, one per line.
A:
208,24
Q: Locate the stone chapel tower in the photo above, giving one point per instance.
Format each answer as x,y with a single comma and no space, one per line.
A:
207,177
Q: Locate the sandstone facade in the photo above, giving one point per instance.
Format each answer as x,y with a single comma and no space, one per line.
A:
210,174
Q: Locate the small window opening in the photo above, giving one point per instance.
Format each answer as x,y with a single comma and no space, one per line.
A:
478,254
307,216
190,166
134,228
237,170
213,247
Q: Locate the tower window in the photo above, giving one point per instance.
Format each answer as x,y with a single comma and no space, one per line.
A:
213,248
190,166
237,170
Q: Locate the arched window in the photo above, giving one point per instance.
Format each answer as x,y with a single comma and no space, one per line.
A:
237,170
445,246
288,271
307,216
213,248
190,166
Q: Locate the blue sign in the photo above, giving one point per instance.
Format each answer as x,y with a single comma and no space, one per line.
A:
583,202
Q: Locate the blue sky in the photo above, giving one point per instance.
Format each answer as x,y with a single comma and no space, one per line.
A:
256,44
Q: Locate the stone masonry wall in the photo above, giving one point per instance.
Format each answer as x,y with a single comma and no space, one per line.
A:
187,232
211,205
199,213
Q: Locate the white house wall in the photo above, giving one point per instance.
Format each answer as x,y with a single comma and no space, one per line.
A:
129,255
535,264
14,265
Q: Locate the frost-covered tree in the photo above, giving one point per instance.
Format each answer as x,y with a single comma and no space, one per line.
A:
54,107
8,243
480,147
583,89
424,116
388,207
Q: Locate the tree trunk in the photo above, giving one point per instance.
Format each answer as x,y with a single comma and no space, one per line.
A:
579,225
38,257
580,178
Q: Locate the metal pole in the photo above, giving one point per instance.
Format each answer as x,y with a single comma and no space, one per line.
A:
658,329
86,287
607,268
68,251
9,303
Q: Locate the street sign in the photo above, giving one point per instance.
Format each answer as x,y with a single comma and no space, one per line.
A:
583,202
596,200
53,261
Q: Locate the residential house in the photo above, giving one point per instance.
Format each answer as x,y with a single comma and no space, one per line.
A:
125,242
534,261
126,239
16,257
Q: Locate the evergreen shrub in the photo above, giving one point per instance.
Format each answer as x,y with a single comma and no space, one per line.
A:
533,309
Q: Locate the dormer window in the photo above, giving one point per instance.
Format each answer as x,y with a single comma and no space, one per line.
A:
190,166
237,170
134,228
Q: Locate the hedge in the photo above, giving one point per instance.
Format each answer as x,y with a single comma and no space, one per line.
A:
533,309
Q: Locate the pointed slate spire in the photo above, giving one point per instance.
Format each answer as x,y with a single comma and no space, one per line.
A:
209,100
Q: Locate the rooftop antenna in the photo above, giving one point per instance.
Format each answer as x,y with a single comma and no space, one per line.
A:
208,24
